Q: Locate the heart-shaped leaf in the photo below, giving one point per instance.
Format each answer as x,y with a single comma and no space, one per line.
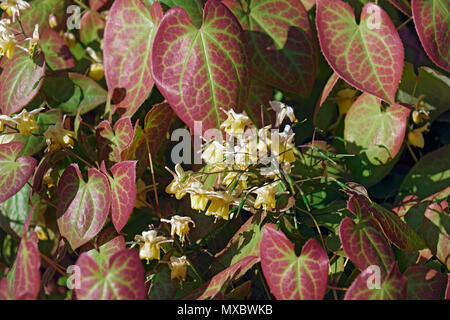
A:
424,283
430,175
20,80
223,278
282,43
14,170
121,277
71,92
39,13
436,231
432,21
364,287
82,207
193,8
157,123
209,72
396,230
375,136
14,211
113,142
57,53
123,192
365,245
369,56
290,277
128,39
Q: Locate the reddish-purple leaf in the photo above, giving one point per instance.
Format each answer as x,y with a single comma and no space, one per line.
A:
308,4
128,39
5,291
424,283
432,20
113,142
392,287
123,192
282,42
82,207
57,53
39,13
117,277
291,277
14,170
20,80
436,230
156,125
201,71
365,245
223,278
369,56
97,4
395,229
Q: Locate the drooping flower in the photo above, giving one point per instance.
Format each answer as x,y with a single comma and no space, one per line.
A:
69,39
35,40
266,196
26,123
7,45
179,226
235,123
14,7
149,245
96,70
345,99
4,27
285,144
57,137
178,267
199,199
419,116
282,111
415,137
52,22
220,205
181,181
214,152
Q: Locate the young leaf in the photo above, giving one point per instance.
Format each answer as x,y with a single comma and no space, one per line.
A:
436,230
392,287
123,192
365,245
57,53
127,50
291,277
120,278
424,284
282,43
82,206
14,170
201,70
20,80
432,21
369,56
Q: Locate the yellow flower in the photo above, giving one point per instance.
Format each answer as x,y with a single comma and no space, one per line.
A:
282,111
220,205
199,200
96,71
415,137
235,123
47,179
57,137
35,40
345,99
266,196
285,145
179,226
26,123
178,267
7,45
231,177
149,245
181,180
419,116
69,39
41,233
4,27
214,152
13,7
52,22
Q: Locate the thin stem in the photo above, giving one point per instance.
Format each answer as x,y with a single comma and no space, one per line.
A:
411,152
155,190
55,265
315,223
266,289
337,288
404,23
73,154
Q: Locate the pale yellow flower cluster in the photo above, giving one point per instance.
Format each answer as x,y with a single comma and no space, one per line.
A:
150,245
246,171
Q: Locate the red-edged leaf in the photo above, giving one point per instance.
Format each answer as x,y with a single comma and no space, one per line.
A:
282,42
27,278
224,278
369,56
365,245
14,170
123,192
5,291
425,284
57,53
403,6
113,142
97,4
20,80
432,21
436,230
258,99
392,287
90,28
308,4
82,207
156,125
395,229
121,278
291,277
201,70
128,38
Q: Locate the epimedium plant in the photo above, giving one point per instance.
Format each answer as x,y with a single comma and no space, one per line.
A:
332,183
